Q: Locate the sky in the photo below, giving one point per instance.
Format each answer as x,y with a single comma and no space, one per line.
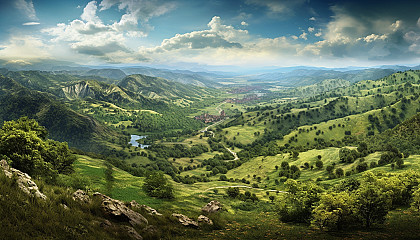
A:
211,34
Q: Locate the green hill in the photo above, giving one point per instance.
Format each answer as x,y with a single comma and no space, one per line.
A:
160,88
62,123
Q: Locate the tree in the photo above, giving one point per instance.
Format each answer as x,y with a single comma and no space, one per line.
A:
232,192
272,198
24,144
334,210
156,185
339,172
372,204
400,163
415,203
319,164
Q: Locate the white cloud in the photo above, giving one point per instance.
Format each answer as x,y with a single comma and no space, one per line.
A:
24,47
418,22
218,36
311,29
312,19
304,36
30,23
295,37
27,7
243,23
89,13
318,34
142,10
373,37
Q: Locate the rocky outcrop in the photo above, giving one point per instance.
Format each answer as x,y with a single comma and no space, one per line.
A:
204,220
211,207
149,210
23,180
118,211
132,232
184,220
78,90
81,196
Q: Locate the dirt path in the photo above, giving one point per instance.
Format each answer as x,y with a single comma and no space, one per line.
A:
234,154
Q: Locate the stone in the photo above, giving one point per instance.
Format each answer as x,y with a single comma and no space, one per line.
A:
24,181
132,232
205,220
150,210
211,207
81,196
117,210
184,220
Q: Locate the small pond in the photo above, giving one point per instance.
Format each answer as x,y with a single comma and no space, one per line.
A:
133,141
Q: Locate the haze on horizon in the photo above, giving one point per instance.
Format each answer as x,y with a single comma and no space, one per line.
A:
211,34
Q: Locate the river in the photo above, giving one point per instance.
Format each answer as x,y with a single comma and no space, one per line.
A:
133,141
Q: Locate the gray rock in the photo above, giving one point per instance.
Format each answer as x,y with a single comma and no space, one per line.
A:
24,181
205,220
117,210
150,210
211,207
186,221
132,232
81,196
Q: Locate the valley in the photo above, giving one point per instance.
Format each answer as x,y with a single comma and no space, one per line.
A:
269,160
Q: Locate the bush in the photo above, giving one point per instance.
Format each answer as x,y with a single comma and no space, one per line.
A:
156,185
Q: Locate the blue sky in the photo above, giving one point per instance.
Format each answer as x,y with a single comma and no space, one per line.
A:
208,34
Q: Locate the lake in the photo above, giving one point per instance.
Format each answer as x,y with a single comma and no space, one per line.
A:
133,141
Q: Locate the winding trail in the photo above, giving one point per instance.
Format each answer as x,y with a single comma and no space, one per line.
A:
234,154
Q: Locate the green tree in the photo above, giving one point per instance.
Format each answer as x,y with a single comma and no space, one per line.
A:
156,185
372,204
319,164
232,192
415,202
334,210
24,145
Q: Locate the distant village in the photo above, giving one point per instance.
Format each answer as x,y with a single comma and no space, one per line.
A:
208,118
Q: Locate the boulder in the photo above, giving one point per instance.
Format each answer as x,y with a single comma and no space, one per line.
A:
81,196
117,210
149,210
186,221
205,220
132,232
211,207
23,181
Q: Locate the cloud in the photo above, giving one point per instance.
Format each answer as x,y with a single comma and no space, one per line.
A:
218,36
142,10
89,13
90,36
311,29
243,23
304,36
30,23
24,47
27,7
318,34
276,7
312,19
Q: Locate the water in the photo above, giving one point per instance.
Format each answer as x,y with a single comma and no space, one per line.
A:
133,141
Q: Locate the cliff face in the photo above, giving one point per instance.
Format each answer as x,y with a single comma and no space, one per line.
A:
79,90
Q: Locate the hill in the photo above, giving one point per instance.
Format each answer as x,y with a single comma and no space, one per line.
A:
160,88
63,123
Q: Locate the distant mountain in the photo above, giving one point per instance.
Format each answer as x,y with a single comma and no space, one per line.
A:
201,79
303,77
159,88
62,123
